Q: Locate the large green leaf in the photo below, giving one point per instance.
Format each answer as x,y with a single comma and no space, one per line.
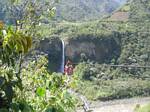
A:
41,91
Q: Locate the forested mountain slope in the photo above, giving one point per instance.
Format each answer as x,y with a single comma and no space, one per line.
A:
77,10
132,35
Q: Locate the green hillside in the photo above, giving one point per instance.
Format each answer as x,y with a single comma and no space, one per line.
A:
75,10
83,10
105,42
132,36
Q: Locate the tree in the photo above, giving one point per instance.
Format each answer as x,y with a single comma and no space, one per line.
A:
27,14
18,82
13,46
140,10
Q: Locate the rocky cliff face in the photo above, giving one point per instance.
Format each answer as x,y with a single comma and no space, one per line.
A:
101,50
53,49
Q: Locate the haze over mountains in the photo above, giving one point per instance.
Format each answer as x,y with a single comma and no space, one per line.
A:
78,10
83,10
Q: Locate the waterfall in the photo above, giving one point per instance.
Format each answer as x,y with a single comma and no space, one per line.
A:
63,57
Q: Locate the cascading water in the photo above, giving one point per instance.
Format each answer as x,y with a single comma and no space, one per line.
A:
63,57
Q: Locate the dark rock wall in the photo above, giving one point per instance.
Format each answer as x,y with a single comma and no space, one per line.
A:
100,50
53,49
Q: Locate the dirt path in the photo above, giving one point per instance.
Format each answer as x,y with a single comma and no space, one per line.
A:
125,105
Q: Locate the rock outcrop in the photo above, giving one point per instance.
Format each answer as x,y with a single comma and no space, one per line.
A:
101,50
53,49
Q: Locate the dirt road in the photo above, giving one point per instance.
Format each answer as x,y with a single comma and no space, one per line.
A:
125,105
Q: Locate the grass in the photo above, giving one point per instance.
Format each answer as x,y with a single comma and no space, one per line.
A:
110,85
115,89
145,108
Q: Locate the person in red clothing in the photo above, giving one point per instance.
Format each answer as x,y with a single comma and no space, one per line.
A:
68,70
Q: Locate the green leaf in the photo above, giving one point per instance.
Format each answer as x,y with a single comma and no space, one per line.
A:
24,44
24,107
49,110
27,108
29,41
60,107
19,85
15,107
41,91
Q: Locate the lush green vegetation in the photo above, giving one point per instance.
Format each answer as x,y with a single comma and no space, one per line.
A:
132,36
28,85
85,10
70,10
100,82
145,108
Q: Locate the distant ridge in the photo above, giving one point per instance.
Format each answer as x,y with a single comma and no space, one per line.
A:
84,10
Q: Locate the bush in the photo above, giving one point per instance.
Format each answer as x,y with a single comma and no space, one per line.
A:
115,89
101,83
38,91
